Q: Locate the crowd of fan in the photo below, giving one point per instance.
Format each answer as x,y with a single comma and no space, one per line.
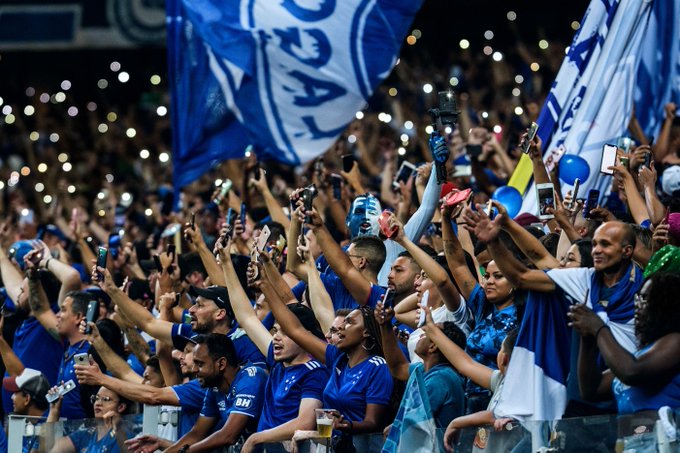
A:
241,311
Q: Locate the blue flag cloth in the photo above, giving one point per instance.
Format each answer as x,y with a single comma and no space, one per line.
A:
287,75
591,101
414,429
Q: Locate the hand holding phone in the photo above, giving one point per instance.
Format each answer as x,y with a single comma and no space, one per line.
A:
388,298
545,194
91,315
384,223
531,134
347,162
608,159
262,239
102,253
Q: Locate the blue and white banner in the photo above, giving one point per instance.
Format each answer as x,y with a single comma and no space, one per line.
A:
591,100
291,73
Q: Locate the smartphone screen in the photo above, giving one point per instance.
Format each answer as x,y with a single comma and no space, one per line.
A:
388,298
336,182
91,315
591,202
608,159
405,171
102,252
546,199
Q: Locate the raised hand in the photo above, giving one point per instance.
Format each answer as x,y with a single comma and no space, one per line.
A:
481,225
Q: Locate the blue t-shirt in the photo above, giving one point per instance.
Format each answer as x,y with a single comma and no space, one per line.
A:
85,441
190,396
287,386
636,398
486,339
245,396
3,440
36,349
445,391
246,351
351,389
72,407
340,296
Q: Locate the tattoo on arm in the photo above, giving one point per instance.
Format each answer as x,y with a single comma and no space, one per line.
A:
36,298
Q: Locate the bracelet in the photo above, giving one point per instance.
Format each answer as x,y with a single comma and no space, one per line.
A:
603,326
47,263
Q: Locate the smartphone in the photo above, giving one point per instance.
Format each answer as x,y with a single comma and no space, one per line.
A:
36,258
347,162
157,262
81,359
383,223
545,194
230,222
224,190
473,151
608,159
531,134
490,209
591,202
91,315
647,162
102,253
457,197
336,182
577,185
388,298
308,198
405,171
263,238
257,171
62,390
193,220
242,215
172,250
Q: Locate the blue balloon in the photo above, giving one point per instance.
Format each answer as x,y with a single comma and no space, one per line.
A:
572,167
510,198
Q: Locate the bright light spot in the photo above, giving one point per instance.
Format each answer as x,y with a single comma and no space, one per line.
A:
498,129
519,110
516,92
464,44
102,83
427,88
161,110
109,178
25,171
111,117
359,115
384,117
47,199
54,137
417,33
411,40
42,167
144,154
566,50
115,66
91,106
497,56
29,110
148,212
39,187
543,44
30,91
60,97
123,77
6,110
65,85
44,98
453,81
535,66
72,111
9,119
392,92
101,195
429,129
218,182
448,130
1,100
408,125
485,115
155,79
2,185
126,196
67,166
404,137
131,132
401,151
575,25
488,35
63,157
511,16
351,138
34,136
101,213
519,79
24,212
71,189
488,50
164,157
102,128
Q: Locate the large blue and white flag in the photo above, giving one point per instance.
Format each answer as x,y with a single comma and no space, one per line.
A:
591,100
413,429
286,75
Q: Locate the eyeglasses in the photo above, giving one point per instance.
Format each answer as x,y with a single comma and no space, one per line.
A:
103,399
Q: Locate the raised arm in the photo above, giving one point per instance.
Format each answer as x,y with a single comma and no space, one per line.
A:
193,234
12,362
273,206
319,299
37,300
655,209
11,277
293,263
455,257
114,363
396,361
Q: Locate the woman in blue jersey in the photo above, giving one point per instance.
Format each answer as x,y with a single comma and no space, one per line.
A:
648,379
360,385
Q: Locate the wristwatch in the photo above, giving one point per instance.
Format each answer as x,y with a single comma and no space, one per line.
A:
184,448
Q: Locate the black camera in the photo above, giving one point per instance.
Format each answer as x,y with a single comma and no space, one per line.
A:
447,113
308,194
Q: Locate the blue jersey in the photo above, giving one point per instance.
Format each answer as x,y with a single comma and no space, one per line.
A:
190,396
287,386
245,396
491,327
246,351
36,349
72,407
445,391
351,389
85,440
340,296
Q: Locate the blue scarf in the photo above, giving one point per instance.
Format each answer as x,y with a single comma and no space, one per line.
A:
619,307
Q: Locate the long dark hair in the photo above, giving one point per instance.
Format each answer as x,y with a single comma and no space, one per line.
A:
660,316
373,343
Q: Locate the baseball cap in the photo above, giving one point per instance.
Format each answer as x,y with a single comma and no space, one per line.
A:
217,294
18,250
670,180
30,381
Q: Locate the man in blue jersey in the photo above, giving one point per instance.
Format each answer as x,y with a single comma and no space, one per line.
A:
28,397
233,398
